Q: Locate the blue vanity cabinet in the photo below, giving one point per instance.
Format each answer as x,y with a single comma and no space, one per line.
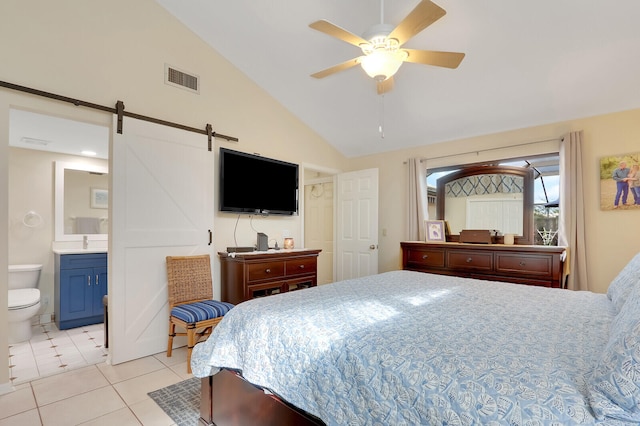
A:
80,284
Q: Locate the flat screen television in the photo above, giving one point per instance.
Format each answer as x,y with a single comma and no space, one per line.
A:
254,184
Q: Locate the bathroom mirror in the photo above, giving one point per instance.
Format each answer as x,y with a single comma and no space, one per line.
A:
81,201
488,197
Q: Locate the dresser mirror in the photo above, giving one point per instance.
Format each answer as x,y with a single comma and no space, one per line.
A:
81,201
498,198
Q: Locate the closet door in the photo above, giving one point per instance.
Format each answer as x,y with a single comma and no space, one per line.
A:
357,224
161,204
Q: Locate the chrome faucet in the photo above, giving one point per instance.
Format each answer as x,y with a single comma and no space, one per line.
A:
85,242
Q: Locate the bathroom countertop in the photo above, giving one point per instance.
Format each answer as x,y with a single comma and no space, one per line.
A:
80,251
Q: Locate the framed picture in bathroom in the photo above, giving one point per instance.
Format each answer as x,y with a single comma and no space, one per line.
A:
99,198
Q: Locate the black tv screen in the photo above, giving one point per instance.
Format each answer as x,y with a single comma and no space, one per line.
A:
253,184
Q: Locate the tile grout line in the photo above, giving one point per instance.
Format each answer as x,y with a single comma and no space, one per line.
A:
51,333
139,415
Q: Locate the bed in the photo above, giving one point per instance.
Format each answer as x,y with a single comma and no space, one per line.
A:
409,348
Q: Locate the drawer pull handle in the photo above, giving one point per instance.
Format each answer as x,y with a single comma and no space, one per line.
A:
301,266
424,256
268,270
469,260
522,263
97,282
89,280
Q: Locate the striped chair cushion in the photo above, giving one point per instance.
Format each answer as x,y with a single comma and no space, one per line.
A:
200,311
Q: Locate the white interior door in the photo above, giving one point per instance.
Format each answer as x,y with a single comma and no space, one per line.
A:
318,226
161,204
357,224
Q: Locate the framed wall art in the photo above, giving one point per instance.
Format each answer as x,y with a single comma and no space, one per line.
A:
99,198
620,182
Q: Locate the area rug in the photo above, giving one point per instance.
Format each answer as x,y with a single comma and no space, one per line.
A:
181,401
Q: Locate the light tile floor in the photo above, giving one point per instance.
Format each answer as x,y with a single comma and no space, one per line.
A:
52,351
89,393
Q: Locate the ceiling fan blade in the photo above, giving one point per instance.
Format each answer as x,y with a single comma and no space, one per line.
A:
337,68
423,15
337,32
438,59
385,86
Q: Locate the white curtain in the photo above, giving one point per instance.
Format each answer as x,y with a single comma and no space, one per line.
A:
417,211
571,227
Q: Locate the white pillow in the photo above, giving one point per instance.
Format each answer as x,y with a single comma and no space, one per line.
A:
624,282
614,387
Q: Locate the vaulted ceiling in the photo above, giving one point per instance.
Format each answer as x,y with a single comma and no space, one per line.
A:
527,63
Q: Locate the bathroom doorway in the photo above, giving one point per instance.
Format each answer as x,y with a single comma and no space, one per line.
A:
36,142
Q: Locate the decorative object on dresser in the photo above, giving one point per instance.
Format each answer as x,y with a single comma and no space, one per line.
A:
246,276
520,264
263,241
435,230
288,243
478,236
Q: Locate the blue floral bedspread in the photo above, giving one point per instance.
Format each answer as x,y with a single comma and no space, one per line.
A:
409,348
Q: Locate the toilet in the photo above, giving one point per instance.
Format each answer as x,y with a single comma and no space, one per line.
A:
24,300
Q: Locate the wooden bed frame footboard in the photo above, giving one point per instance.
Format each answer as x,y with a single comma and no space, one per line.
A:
226,399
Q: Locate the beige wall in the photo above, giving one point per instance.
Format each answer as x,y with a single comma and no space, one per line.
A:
612,239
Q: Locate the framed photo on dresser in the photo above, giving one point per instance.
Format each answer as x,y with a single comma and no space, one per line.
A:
435,231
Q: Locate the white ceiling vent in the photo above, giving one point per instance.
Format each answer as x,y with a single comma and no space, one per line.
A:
178,78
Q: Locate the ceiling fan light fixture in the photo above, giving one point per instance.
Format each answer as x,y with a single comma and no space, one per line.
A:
382,63
381,54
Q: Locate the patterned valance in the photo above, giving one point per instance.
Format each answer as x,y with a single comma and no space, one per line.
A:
484,185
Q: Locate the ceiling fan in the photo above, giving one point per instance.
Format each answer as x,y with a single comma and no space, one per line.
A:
381,45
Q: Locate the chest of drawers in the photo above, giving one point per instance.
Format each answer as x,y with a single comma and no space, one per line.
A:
532,265
246,276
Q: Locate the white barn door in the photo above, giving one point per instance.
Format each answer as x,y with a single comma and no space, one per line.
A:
357,224
161,204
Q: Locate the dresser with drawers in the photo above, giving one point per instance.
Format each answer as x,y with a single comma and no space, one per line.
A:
246,276
520,264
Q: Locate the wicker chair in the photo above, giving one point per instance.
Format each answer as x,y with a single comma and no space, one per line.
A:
191,301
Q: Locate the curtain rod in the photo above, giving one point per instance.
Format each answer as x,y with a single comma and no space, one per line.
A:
422,160
119,109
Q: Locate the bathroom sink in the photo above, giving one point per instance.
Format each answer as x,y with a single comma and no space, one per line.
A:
80,250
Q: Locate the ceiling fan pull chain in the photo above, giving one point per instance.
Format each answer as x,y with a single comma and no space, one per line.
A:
381,125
